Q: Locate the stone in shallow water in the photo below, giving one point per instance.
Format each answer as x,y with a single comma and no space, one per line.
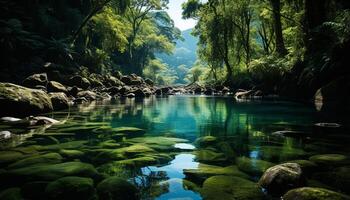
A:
280,178
278,153
116,189
206,141
71,154
338,178
310,193
49,158
230,187
209,156
164,144
330,159
204,171
71,188
11,194
48,172
253,167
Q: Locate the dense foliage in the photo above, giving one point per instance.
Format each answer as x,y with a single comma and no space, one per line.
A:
102,35
267,42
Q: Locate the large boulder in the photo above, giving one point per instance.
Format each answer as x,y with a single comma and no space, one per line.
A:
311,193
35,80
71,188
59,100
79,81
54,86
334,96
115,188
280,178
16,100
253,167
89,95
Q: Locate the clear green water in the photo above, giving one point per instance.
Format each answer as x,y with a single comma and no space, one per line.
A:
243,131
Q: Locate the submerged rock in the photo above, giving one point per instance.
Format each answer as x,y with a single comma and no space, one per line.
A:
20,101
230,187
115,188
280,178
310,193
330,159
204,171
71,188
253,167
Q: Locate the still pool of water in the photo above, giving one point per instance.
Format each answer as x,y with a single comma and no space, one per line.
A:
169,147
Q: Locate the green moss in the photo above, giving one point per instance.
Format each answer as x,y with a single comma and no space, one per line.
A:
230,187
100,156
309,193
109,144
306,165
49,172
10,156
11,194
206,141
253,167
50,158
158,143
338,178
117,189
17,100
134,149
278,153
71,188
330,159
205,171
209,156
67,145
71,154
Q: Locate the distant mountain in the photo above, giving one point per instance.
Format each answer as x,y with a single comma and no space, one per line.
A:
184,55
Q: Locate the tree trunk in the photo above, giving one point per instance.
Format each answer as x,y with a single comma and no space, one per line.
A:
276,8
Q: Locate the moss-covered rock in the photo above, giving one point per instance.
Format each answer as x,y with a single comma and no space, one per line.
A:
79,81
330,159
10,156
310,193
206,141
134,150
280,178
209,156
164,144
100,156
11,194
109,144
16,100
306,165
59,100
204,171
279,153
54,86
49,158
49,172
230,187
79,144
129,131
36,79
115,188
71,188
337,178
71,154
253,167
